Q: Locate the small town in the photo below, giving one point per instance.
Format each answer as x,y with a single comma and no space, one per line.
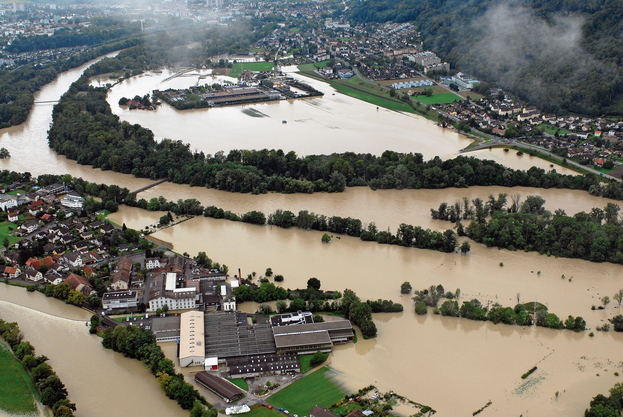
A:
126,279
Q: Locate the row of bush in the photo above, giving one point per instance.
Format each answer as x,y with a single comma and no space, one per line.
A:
52,390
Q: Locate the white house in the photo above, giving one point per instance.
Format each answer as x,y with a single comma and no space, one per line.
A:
73,201
8,201
73,259
33,275
152,263
30,226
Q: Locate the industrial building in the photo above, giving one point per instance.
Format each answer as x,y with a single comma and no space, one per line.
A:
466,81
314,337
166,329
191,349
164,291
123,300
227,334
256,365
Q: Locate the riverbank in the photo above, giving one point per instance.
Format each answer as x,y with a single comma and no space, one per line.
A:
18,391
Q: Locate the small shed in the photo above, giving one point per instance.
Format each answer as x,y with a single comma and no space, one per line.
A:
211,364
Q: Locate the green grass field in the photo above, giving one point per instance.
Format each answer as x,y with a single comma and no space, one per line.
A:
239,382
552,130
4,232
312,67
259,410
442,98
16,385
237,69
300,397
305,362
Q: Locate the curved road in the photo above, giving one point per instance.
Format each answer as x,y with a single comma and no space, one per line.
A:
502,142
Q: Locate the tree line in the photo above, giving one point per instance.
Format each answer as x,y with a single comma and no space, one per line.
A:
406,235
596,236
138,343
52,390
18,86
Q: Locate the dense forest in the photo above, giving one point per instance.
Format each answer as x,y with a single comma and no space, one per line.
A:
596,236
562,56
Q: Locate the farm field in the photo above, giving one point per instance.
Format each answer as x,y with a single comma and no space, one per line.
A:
259,410
314,389
442,98
16,385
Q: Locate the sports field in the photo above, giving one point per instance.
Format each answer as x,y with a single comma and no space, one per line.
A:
300,397
442,98
251,66
16,386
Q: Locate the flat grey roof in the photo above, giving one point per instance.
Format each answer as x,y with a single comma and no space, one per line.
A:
314,327
302,339
226,335
165,326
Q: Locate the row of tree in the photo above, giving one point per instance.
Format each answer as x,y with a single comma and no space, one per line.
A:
52,390
473,310
138,343
406,235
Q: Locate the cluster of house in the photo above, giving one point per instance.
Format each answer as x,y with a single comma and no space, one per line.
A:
68,244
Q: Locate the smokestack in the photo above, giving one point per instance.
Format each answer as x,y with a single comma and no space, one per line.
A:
239,277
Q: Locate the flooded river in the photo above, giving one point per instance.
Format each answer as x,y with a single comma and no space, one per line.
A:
332,123
101,382
453,365
387,208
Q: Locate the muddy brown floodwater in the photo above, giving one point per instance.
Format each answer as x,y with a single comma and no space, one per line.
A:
101,382
387,208
332,123
453,365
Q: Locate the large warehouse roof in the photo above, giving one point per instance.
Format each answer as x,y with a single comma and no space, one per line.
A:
192,340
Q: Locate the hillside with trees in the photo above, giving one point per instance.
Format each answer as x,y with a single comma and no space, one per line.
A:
562,56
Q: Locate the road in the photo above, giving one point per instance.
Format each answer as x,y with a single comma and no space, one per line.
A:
501,142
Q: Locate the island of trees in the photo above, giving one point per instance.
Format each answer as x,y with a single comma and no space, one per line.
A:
596,236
